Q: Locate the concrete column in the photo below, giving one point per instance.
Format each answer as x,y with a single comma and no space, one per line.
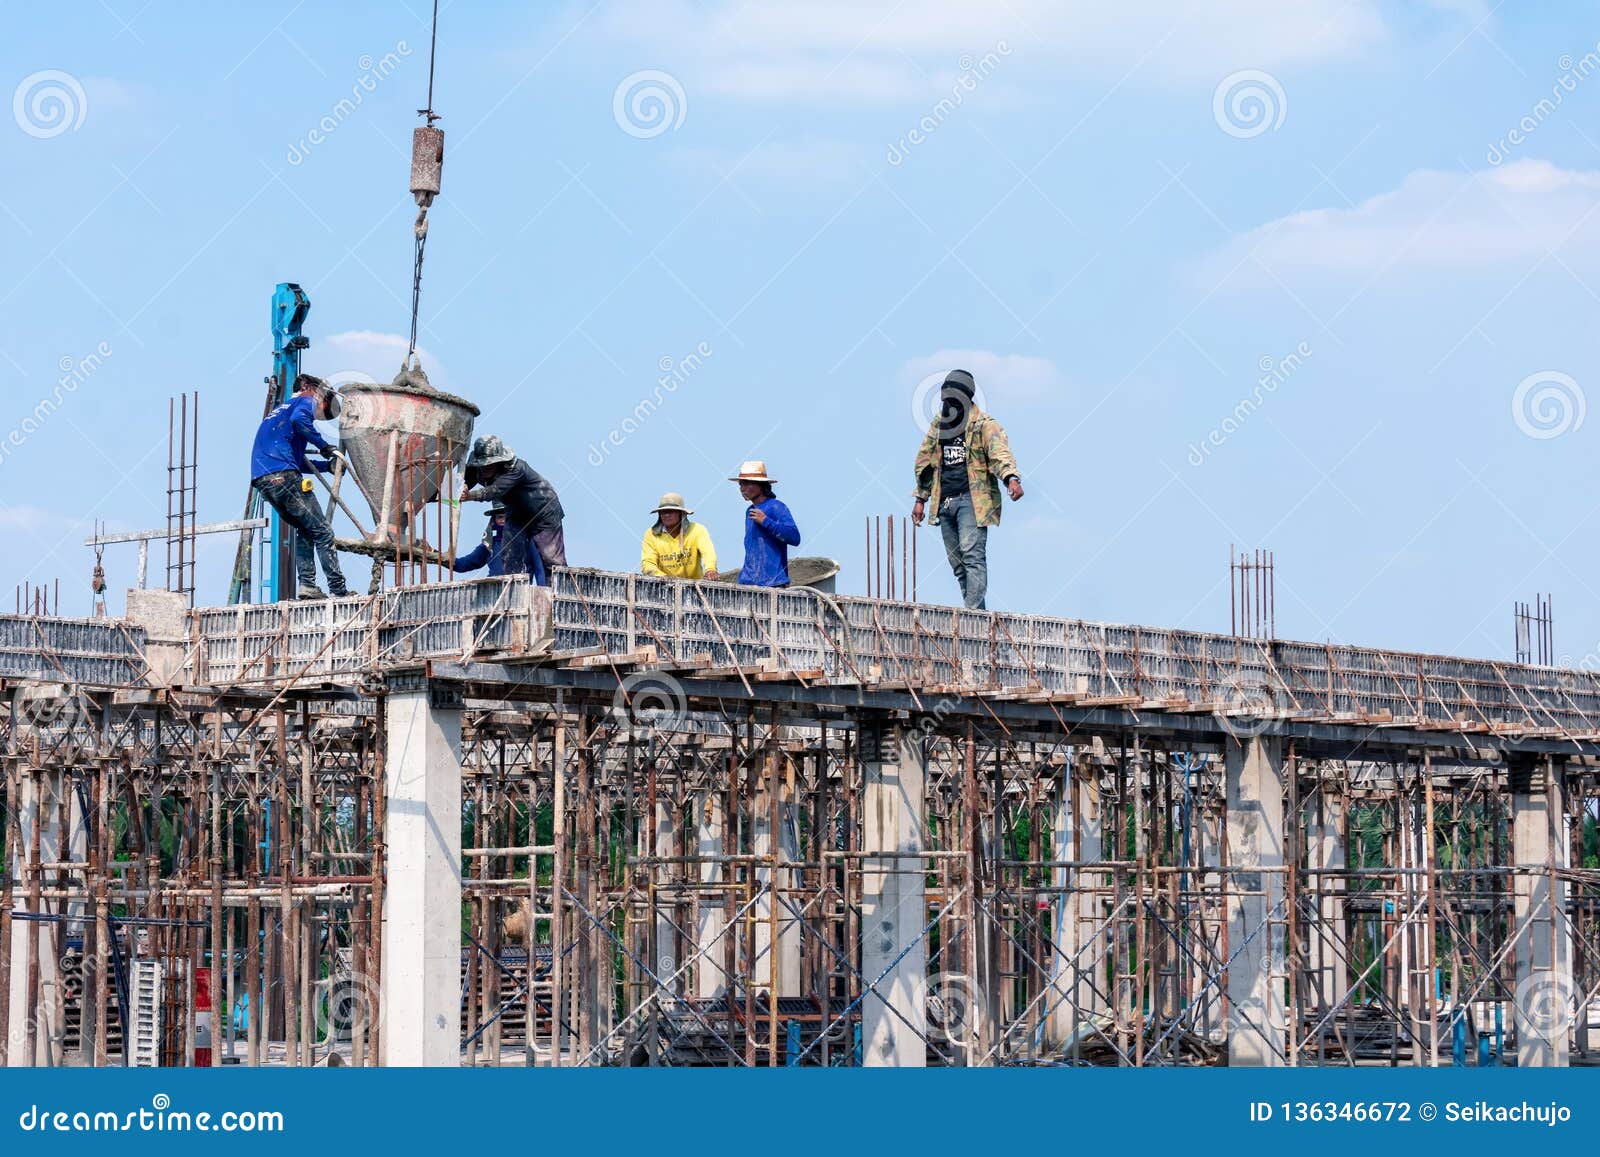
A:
1543,1000
38,807
421,998
1326,849
1258,1020
894,1016
787,961
164,615
1077,993
1416,944
666,962
1208,988
711,916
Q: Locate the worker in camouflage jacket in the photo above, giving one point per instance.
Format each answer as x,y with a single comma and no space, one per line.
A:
960,466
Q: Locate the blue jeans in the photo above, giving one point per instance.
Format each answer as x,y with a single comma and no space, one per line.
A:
312,529
966,544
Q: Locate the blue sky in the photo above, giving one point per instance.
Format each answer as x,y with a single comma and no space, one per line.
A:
1117,216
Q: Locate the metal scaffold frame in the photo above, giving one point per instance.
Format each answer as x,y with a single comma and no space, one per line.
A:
703,825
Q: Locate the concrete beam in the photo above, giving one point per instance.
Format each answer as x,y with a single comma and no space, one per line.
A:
1257,1018
1338,740
421,997
1543,1001
894,952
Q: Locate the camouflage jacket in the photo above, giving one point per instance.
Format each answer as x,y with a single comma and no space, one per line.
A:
988,461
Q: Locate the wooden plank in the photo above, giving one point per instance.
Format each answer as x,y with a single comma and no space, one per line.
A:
783,676
642,656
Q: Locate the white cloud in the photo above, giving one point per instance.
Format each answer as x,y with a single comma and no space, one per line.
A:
807,161
887,50
810,77
26,518
1435,220
105,92
377,355
1002,378
1474,10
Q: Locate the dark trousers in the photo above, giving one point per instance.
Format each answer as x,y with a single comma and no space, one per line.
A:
552,546
312,530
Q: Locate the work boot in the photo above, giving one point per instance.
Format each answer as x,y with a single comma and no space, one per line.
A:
311,591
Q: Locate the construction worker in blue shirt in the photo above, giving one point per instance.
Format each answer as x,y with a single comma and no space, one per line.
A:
769,529
492,552
277,465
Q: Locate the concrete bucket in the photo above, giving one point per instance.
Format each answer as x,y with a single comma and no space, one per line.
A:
402,441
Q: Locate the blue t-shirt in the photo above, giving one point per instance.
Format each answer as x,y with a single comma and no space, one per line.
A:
766,545
281,439
493,553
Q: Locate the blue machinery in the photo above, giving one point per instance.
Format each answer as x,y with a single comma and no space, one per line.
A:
274,567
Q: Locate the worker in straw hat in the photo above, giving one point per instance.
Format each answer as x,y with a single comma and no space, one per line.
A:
533,509
769,529
492,552
676,547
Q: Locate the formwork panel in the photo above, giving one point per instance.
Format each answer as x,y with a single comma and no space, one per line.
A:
334,636
93,651
800,630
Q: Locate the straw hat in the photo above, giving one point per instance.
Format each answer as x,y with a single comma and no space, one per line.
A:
672,500
754,470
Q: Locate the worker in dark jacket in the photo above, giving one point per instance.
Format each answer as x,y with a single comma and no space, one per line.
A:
769,529
503,551
533,509
278,464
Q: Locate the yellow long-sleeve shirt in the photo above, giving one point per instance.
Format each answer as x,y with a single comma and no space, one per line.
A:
687,554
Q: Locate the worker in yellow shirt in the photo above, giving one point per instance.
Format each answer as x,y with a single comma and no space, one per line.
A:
676,547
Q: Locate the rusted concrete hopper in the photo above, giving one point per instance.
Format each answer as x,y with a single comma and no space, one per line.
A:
402,440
